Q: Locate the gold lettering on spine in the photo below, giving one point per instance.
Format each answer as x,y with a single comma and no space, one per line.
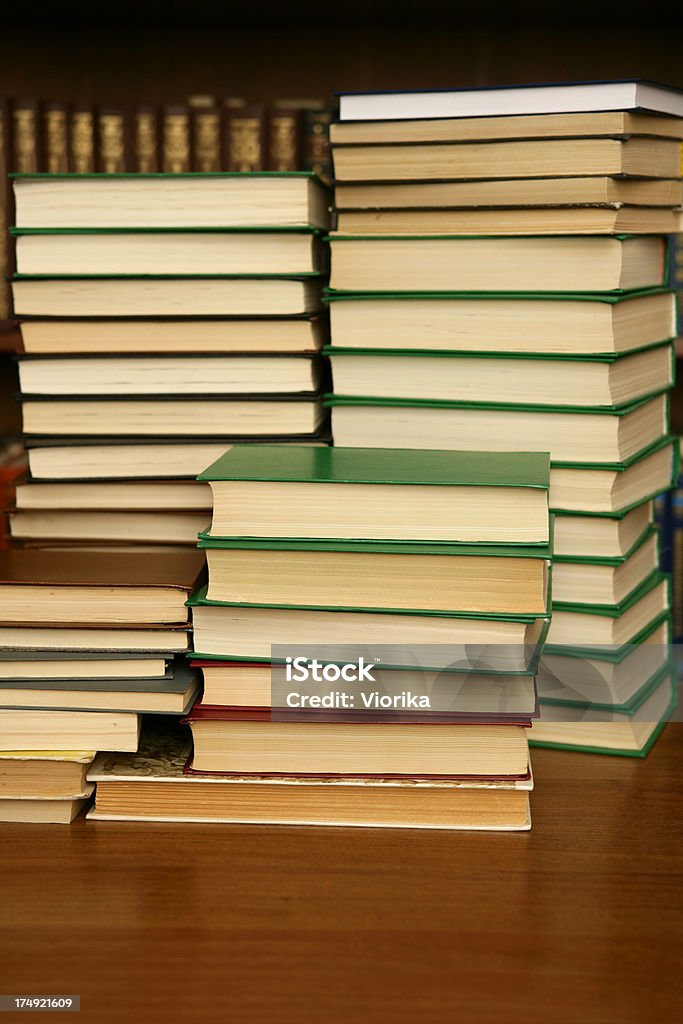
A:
146,142
207,141
283,155
55,138
112,146
82,142
25,149
176,143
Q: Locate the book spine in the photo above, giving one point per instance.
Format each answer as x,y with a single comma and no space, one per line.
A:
55,138
82,140
176,140
246,144
5,207
206,135
146,140
284,140
317,156
25,144
112,149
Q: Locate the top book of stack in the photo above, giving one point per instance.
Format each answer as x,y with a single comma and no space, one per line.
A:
596,158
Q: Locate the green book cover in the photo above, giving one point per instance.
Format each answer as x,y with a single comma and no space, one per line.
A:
576,748
381,466
542,551
332,400
613,611
340,295
614,560
609,652
629,708
536,356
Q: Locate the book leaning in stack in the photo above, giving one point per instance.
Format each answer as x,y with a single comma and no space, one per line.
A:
432,568
499,281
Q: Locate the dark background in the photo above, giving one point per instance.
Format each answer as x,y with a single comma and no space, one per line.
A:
125,51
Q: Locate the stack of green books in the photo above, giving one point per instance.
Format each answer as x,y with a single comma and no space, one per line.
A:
498,283
162,316
369,636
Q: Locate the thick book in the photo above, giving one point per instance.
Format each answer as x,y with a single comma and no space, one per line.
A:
202,416
173,694
267,199
592,324
491,642
606,381
486,101
45,774
117,527
44,811
69,587
17,666
571,435
538,158
68,730
443,263
512,193
171,375
601,580
253,743
380,576
609,535
107,496
357,493
582,625
87,458
123,639
166,251
167,296
608,123
465,695
154,786
296,334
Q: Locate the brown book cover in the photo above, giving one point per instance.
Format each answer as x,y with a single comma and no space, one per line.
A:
205,128
316,155
175,147
82,139
245,138
146,140
5,213
113,146
55,124
284,139
33,567
26,155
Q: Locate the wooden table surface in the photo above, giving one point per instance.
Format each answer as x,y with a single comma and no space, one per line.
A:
576,922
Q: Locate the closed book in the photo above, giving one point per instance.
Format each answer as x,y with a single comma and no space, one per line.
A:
44,811
206,132
435,264
85,526
486,642
605,381
284,139
113,142
55,126
542,158
59,775
376,576
357,493
245,138
173,693
19,665
122,639
633,94
155,786
608,535
187,296
27,156
62,588
146,146
606,123
592,324
589,626
68,730
266,199
175,140
602,580
571,435
107,495
316,155
82,139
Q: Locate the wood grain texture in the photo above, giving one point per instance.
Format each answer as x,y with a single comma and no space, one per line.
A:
578,920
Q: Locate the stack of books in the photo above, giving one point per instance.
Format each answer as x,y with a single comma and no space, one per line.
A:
368,638
498,281
87,646
162,317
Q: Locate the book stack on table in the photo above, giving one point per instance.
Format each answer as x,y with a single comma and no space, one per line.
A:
416,584
87,646
498,281
162,317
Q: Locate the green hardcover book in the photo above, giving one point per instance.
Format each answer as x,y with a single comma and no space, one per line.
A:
599,580
571,434
585,381
592,324
380,494
465,579
615,535
225,631
629,733
592,626
452,263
